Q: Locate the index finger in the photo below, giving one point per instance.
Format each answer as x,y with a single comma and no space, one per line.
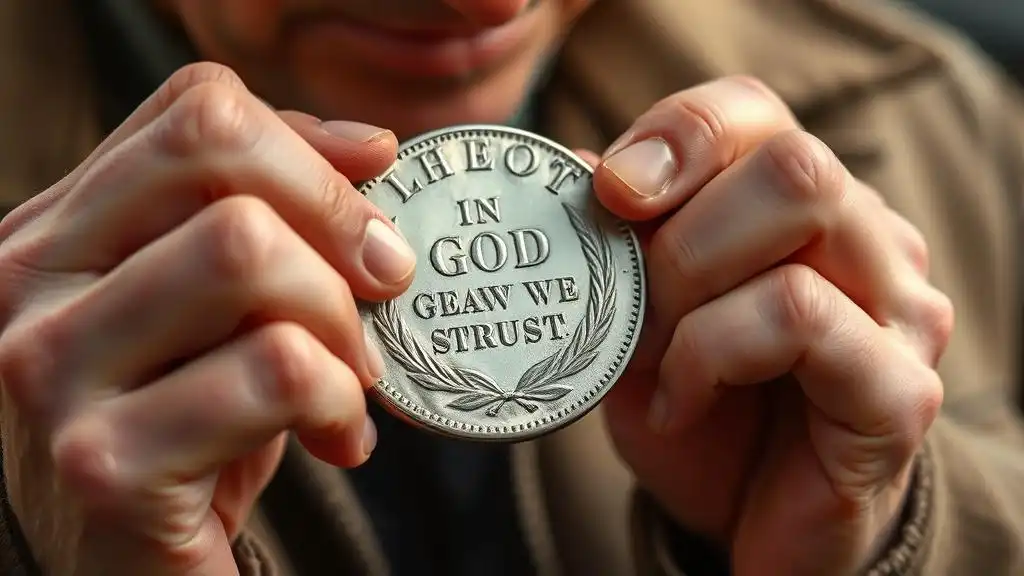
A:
217,141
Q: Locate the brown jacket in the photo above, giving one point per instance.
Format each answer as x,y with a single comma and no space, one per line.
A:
907,108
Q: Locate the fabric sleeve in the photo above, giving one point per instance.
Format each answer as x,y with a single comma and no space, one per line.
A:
964,515
15,558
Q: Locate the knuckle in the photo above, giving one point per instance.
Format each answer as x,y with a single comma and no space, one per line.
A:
19,217
754,84
18,372
920,411
289,354
673,250
210,117
930,400
804,169
195,74
915,245
12,222
241,234
18,262
83,461
27,358
801,301
704,118
936,318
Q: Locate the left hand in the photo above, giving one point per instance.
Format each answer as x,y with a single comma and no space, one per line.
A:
786,377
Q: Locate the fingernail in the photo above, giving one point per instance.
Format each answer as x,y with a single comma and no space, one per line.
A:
385,254
646,167
369,436
354,131
659,416
374,360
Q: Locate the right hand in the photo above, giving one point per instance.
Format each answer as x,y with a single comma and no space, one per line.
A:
171,309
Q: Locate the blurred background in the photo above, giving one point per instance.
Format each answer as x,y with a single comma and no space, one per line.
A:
997,26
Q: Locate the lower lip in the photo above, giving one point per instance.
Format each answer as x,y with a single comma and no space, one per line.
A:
418,57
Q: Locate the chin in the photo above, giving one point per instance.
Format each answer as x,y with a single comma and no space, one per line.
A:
409,106
407,115
469,109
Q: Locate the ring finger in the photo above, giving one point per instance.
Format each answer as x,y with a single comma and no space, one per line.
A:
871,391
213,410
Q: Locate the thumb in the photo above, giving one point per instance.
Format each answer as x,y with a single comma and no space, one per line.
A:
218,559
213,555
114,551
359,151
224,500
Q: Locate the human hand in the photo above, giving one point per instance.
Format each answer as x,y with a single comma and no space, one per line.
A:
785,379
171,309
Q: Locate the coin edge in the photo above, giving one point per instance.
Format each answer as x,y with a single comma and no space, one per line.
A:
390,396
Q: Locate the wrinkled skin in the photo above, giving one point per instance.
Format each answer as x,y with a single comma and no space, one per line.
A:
784,381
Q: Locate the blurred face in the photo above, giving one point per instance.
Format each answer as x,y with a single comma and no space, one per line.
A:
407,65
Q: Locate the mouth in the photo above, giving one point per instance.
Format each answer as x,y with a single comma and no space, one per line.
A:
418,50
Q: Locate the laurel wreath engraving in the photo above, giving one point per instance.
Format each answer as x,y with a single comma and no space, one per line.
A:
474,390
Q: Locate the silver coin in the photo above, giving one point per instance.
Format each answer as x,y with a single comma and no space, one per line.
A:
528,296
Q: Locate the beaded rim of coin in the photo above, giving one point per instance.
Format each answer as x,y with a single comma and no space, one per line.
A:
473,390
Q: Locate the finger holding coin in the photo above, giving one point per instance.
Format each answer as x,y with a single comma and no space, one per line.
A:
798,334
177,305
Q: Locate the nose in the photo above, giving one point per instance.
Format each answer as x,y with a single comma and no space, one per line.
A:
489,12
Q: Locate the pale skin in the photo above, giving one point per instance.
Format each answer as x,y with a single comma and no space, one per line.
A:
153,360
